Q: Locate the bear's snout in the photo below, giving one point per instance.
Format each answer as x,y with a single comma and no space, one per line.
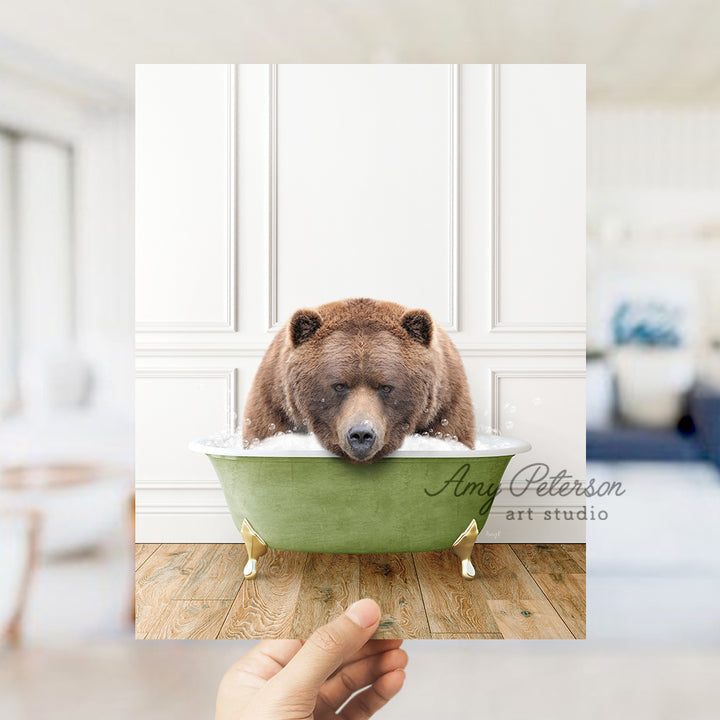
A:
361,438
361,427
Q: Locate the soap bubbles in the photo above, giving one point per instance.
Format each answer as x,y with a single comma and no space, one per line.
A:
299,443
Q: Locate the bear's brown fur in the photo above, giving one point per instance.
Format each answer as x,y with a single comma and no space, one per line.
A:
361,375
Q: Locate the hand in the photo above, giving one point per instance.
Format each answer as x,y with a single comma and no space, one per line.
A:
296,680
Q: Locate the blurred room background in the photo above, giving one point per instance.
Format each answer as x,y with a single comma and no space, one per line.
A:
66,333
653,365
66,316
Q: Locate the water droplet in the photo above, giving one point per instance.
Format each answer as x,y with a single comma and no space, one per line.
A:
405,426
426,410
509,424
271,427
322,400
444,421
248,421
537,401
438,434
425,434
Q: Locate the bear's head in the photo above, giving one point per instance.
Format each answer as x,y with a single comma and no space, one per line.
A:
361,374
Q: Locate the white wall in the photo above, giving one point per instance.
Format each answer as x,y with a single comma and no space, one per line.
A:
8,342
66,187
653,211
256,185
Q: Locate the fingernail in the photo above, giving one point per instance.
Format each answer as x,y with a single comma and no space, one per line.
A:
364,612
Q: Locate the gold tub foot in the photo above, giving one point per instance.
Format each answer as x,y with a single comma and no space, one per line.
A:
463,546
255,546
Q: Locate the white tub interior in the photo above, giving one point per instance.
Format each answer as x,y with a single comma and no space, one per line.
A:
302,445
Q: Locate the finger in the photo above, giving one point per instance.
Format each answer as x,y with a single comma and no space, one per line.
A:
374,647
355,676
370,700
281,651
265,660
328,648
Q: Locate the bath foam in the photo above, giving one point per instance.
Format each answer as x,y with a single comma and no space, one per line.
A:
416,445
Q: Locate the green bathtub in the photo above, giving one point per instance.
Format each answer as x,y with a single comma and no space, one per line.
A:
410,501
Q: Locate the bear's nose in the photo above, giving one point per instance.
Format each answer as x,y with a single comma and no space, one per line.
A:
361,437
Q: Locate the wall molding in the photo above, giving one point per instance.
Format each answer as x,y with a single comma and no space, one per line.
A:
496,375
213,485
171,350
452,324
172,509
497,324
229,324
272,288
257,350
230,375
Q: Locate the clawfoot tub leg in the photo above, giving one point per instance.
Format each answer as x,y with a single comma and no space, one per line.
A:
255,546
463,546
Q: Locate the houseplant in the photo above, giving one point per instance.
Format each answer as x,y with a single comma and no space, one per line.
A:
653,364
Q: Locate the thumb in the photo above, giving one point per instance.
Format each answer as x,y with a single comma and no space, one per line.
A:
328,648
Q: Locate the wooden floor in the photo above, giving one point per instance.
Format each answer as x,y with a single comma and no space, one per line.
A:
520,591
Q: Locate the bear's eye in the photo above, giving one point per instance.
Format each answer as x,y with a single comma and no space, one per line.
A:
386,389
339,387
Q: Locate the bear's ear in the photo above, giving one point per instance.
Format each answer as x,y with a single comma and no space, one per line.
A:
419,326
303,325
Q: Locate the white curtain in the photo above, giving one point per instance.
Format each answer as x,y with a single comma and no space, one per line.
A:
37,304
7,331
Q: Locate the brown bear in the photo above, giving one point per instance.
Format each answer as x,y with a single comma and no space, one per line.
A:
361,375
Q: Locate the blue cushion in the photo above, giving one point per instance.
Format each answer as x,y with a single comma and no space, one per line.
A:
626,443
704,406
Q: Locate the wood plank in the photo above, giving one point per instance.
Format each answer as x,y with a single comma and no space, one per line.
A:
189,620
162,575
467,636
577,552
545,558
566,592
197,571
264,606
528,620
220,577
330,584
453,604
391,580
505,578
502,575
142,552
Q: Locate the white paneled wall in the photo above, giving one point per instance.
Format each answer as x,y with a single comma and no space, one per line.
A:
261,189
